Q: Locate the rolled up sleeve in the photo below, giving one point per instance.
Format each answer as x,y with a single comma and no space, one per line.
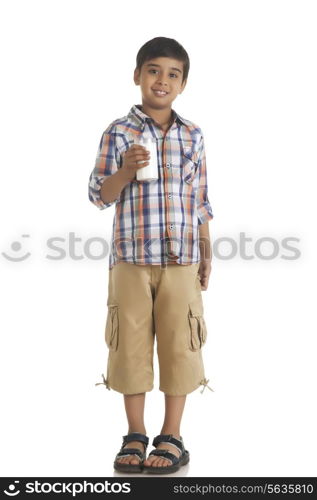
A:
204,209
107,163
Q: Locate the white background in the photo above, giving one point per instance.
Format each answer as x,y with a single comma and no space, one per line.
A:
67,72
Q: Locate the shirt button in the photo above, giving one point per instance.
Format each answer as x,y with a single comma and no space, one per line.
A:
169,195
168,165
171,226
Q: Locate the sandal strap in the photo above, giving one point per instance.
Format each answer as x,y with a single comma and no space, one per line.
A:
135,436
130,451
172,444
165,454
169,439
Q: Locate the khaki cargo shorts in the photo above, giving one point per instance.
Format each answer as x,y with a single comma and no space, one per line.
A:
148,301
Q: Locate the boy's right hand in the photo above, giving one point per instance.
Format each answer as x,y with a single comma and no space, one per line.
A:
131,158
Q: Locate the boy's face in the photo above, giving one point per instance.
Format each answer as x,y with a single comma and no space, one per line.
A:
161,73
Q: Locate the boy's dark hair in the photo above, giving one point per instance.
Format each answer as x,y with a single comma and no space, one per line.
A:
161,46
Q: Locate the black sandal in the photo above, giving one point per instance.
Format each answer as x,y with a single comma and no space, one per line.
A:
133,436
177,462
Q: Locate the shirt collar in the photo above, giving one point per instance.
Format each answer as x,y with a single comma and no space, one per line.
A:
140,118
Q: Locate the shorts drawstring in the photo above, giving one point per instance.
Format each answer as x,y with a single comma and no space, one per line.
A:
204,382
105,382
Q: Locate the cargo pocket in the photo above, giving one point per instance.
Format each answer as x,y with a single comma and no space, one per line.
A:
197,325
112,327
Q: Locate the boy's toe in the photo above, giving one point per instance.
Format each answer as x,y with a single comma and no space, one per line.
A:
156,462
163,462
149,461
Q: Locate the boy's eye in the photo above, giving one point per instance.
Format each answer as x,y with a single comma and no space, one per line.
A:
174,74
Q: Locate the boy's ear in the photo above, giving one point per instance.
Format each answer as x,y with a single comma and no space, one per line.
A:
183,86
136,76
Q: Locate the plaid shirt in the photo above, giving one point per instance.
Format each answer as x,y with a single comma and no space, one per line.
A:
156,222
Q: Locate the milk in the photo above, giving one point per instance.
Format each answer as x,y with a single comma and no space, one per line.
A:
149,172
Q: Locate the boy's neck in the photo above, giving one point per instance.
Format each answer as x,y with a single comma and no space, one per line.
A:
162,117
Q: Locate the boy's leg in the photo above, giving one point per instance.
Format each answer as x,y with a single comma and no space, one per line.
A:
130,338
174,407
134,407
178,295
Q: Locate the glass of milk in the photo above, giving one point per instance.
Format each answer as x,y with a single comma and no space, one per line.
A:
149,172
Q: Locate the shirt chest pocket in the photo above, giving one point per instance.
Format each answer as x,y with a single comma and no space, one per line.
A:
189,169
189,164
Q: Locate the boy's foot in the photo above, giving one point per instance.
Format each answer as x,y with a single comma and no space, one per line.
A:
155,461
132,459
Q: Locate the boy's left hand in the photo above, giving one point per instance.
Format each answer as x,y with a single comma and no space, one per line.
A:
204,273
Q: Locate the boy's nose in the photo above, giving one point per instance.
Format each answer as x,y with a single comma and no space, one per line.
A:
162,83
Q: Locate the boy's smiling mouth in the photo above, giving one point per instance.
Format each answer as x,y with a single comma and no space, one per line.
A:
159,93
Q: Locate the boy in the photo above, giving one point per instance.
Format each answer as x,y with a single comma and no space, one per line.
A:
160,257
